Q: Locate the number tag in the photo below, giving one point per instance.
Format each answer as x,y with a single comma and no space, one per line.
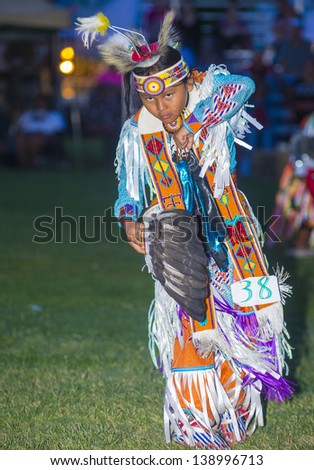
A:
256,291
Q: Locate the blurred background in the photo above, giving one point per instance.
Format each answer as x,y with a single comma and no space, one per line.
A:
44,66
74,365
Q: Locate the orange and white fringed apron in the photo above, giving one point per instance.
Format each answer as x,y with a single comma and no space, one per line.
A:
215,370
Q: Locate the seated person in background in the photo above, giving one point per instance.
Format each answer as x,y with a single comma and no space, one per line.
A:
292,52
233,30
37,131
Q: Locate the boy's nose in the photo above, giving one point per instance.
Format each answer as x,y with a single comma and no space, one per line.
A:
161,105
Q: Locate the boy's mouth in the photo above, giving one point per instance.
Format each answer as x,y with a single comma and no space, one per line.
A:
165,117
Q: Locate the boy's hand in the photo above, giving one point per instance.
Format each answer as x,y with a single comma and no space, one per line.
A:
183,139
135,234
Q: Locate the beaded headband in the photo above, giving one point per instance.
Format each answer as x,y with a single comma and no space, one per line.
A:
155,84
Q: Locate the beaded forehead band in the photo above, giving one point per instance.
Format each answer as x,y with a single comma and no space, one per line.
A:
155,84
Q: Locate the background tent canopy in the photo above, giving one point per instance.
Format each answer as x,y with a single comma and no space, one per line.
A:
35,14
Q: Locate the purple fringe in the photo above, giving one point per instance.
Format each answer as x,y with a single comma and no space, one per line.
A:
243,322
160,367
246,321
223,306
182,314
274,389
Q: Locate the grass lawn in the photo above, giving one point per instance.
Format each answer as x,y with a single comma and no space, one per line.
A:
75,371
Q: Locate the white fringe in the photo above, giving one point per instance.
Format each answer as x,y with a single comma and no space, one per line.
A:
285,289
207,86
207,385
209,340
137,173
272,316
245,349
254,412
216,151
163,327
215,147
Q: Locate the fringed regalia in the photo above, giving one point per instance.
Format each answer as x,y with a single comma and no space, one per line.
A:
218,354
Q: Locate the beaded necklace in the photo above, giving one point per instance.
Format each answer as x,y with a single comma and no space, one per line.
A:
174,126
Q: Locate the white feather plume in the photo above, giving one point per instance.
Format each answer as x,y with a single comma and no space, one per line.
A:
89,28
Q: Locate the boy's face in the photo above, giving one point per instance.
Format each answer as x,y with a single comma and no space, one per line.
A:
168,106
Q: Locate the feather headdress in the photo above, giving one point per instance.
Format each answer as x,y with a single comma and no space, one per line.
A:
126,49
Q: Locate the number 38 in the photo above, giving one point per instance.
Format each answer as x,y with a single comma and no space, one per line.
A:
264,291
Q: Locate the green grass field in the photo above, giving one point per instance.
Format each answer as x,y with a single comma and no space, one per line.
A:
75,371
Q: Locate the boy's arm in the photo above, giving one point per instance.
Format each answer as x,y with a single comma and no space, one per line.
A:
127,212
126,209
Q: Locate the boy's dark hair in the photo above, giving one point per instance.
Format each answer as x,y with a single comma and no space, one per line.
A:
167,60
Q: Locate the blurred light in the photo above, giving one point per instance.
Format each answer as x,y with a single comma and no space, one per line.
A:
67,53
68,93
66,66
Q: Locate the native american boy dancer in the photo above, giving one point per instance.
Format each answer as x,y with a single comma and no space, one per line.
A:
216,327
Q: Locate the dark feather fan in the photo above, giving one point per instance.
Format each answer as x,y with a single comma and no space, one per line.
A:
178,259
